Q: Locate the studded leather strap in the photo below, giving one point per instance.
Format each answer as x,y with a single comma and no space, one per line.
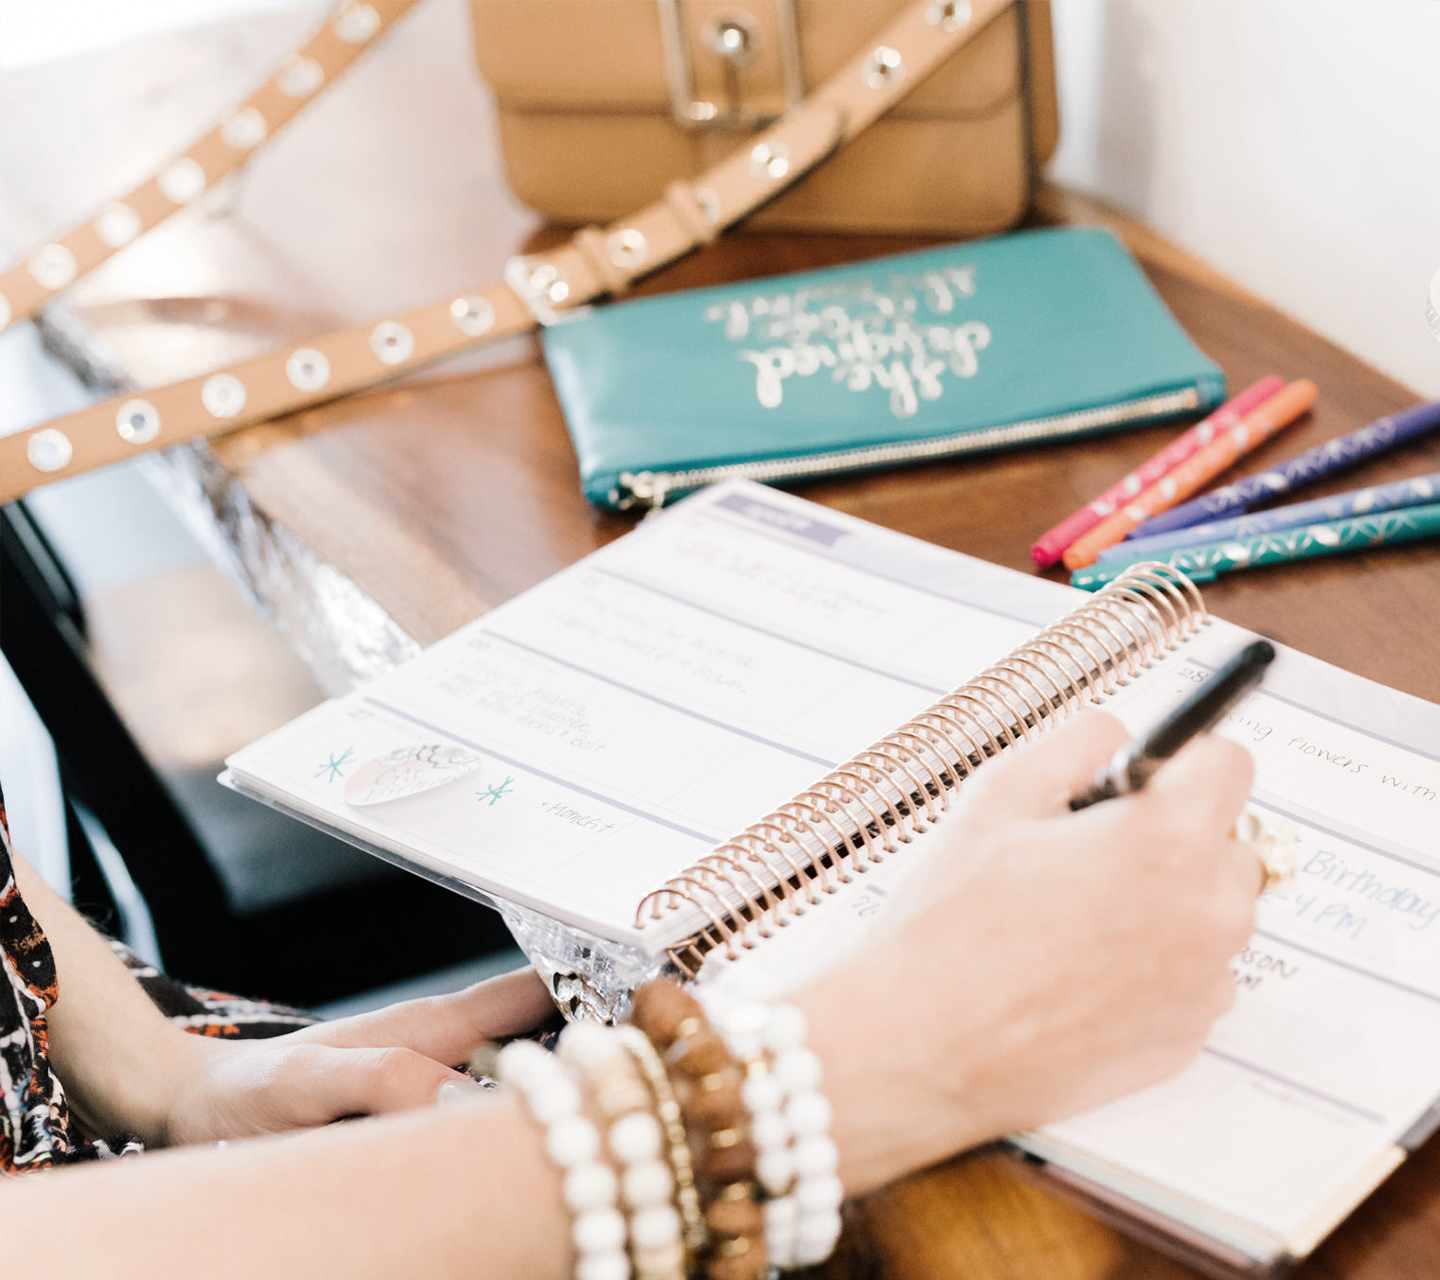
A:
354,27
595,262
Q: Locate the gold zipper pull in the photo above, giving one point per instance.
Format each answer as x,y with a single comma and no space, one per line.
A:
646,489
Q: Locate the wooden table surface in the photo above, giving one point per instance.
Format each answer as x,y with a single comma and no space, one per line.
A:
450,493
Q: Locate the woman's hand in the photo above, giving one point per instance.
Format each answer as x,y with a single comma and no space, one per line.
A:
390,1060
1047,961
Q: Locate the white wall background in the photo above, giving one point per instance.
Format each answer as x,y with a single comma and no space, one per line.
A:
1294,144
33,31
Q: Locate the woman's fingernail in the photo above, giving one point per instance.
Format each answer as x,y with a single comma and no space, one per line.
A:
455,1093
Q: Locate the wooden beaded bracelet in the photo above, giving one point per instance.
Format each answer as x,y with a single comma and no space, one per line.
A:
708,1085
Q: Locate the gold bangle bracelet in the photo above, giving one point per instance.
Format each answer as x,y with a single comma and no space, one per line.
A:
667,1108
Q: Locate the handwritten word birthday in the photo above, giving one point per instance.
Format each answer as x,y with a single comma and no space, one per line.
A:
1394,896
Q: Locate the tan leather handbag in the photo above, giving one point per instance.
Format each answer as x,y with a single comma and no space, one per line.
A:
602,103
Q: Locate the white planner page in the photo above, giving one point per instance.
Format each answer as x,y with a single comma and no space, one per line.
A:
635,710
1332,1051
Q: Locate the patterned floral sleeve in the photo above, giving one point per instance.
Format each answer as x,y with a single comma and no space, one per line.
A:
34,1122
35,1125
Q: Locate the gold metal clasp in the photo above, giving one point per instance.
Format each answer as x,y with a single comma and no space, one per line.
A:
735,38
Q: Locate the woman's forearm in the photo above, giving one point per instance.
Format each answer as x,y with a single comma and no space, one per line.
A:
120,1059
1050,961
439,1193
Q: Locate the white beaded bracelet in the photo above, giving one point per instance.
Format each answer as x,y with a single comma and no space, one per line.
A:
636,1140
790,1125
573,1143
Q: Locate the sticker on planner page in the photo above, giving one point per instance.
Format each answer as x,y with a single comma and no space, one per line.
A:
408,771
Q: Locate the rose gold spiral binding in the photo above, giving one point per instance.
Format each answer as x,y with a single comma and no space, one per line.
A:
1028,717
862,812
1077,639
1105,626
1038,659
861,798
797,868
1076,682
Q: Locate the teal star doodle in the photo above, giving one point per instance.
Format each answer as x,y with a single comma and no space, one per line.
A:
334,767
492,793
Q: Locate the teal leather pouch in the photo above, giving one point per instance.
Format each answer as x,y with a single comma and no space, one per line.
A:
1021,339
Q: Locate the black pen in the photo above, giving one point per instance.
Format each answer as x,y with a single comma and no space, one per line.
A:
1130,768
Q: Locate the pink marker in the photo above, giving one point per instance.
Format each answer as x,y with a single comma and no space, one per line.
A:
1052,545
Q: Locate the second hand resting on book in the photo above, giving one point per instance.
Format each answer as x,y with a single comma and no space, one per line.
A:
1050,961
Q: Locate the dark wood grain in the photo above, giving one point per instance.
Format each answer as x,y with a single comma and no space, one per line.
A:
447,495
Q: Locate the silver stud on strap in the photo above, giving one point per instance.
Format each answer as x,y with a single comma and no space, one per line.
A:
245,129
358,24
472,316
223,395
949,15
118,225
537,286
182,181
307,369
392,342
770,160
550,283
49,450
885,67
137,422
53,266
627,248
707,200
301,76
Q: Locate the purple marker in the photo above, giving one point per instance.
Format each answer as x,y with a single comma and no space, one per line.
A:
1380,436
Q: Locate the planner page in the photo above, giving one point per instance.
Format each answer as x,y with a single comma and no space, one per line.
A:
1330,1059
601,732
1331,1054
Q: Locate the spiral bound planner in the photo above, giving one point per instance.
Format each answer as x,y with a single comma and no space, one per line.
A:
585,754
860,813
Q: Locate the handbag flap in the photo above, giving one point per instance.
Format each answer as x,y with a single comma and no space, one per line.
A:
579,55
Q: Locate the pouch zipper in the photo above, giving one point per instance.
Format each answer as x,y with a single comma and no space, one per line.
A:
648,490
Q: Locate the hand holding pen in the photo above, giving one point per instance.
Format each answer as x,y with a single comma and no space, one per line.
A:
1131,767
